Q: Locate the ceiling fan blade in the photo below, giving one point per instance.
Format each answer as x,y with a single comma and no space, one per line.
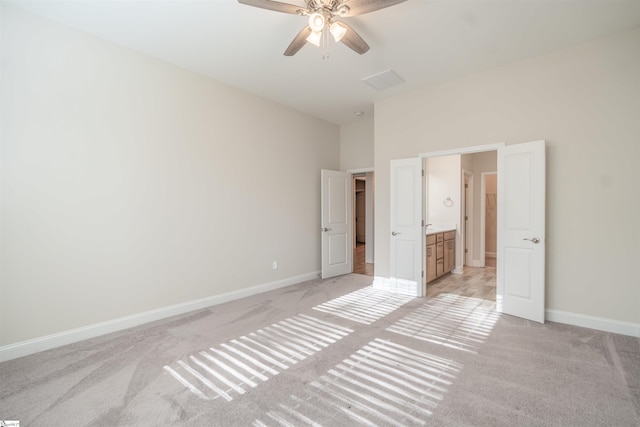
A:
360,7
298,42
273,5
353,40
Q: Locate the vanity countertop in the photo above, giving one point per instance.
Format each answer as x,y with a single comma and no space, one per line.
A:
436,230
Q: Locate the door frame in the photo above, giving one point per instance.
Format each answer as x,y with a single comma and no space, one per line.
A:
354,196
467,235
461,151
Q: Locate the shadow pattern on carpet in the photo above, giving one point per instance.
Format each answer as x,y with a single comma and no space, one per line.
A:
450,320
365,305
233,368
383,383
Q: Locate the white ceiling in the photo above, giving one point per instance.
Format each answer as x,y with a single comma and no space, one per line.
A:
424,41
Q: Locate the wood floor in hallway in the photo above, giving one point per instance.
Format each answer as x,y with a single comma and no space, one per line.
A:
359,266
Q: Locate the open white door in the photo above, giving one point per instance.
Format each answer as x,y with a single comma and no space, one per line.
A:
406,223
337,253
521,230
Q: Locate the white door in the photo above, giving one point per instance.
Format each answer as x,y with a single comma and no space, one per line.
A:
406,223
337,252
521,235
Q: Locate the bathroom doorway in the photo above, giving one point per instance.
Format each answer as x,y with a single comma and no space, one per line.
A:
462,178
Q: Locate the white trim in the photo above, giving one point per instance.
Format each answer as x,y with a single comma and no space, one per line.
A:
361,170
25,348
465,150
369,217
490,254
467,240
352,198
592,322
483,218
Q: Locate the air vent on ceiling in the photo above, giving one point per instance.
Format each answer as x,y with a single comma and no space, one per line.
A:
383,80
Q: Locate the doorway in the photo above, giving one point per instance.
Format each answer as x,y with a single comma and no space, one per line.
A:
520,197
454,175
363,227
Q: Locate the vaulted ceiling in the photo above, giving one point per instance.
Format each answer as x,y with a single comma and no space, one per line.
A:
423,41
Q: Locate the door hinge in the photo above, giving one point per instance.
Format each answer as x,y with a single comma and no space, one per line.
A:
422,172
466,251
466,186
423,222
422,273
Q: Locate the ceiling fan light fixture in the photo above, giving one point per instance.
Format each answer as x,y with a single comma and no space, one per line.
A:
337,31
316,21
315,37
320,15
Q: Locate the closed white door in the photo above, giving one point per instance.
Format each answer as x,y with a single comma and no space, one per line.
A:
406,223
336,229
521,236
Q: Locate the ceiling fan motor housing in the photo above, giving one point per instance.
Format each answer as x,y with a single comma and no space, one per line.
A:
329,8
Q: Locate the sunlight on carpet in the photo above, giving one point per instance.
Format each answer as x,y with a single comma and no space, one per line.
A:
233,368
450,320
382,383
365,305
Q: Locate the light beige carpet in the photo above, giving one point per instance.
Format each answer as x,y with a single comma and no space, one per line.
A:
334,353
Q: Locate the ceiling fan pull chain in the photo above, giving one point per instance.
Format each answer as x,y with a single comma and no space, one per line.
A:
325,43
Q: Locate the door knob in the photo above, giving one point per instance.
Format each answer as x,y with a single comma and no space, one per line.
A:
395,233
325,229
535,240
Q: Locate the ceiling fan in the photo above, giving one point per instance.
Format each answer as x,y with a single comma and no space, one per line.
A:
323,15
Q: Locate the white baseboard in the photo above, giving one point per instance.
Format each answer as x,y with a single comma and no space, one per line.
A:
489,254
25,348
592,322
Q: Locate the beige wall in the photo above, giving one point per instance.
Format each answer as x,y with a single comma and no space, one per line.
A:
443,182
356,144
491,210
491,185
477,163
129,184
585,102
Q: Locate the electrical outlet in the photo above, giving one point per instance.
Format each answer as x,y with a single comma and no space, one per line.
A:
274,264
